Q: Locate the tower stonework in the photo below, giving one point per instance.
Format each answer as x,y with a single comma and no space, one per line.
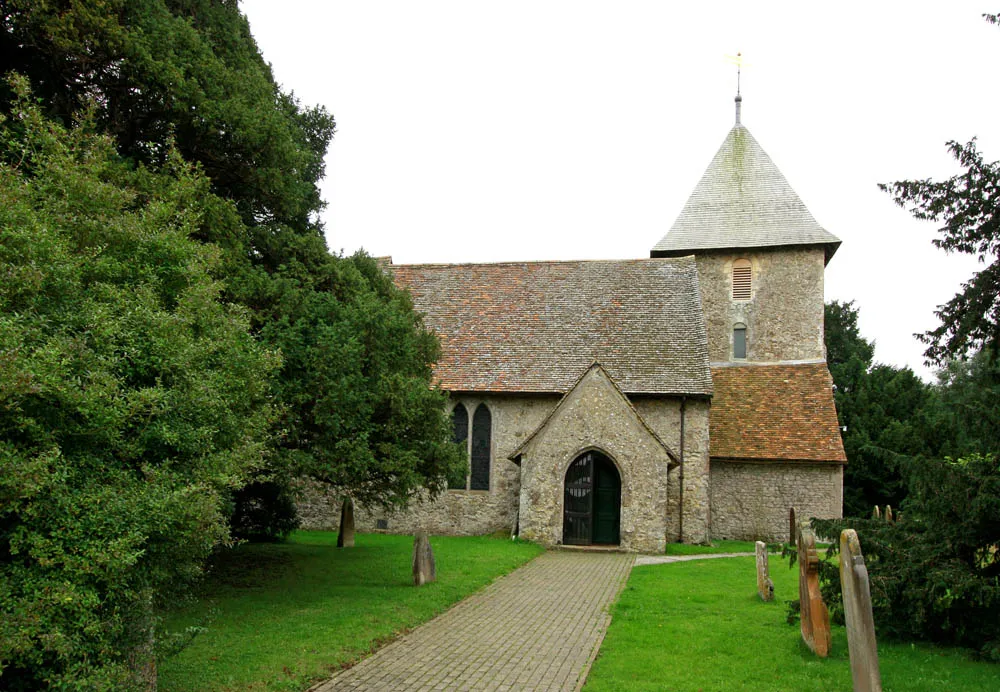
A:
783,316
761,258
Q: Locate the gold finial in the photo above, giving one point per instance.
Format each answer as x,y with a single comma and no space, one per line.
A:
739,62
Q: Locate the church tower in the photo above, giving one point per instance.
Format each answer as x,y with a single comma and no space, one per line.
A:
761,257
774,438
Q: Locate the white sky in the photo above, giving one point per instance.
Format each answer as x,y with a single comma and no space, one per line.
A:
534,129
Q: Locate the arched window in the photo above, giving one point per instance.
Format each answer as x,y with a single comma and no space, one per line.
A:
460,434
482,431
739,341
742,280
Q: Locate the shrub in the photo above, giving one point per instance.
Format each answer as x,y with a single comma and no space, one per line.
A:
264,512
131,402
935,573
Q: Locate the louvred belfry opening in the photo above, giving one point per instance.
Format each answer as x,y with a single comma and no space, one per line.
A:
742,280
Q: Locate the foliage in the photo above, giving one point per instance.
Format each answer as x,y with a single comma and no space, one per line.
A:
131,400
264,511
935,573
361,415
186,71
967,418
354,387
287,614
968,205
885,410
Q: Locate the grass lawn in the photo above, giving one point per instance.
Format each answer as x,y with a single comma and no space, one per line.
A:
700,626
713,547
286,615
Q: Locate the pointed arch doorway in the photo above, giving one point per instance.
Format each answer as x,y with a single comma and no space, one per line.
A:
592,501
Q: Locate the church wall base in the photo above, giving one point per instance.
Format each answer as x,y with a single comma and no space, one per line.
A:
751,501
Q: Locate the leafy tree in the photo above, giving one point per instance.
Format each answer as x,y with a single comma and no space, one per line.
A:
359,366
968,204
355,381
967,418
186,71
132,401
884,410
935,573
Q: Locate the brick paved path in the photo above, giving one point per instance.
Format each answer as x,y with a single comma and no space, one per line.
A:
538,628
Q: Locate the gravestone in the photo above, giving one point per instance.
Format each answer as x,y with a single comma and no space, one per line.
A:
424,570
858,614
814,617
345,538
791,525
876,513
765,587
888,513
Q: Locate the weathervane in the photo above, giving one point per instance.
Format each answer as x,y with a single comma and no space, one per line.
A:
739,62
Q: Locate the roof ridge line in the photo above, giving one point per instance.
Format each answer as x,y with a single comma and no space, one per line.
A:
508,263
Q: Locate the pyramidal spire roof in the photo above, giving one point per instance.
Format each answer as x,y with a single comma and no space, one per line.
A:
743,201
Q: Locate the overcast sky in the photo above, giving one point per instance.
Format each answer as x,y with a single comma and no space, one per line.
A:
539,130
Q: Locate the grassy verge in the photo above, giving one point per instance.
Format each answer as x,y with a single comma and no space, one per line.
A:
713,547
283,616
700,626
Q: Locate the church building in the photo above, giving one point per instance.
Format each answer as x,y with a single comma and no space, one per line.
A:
632,403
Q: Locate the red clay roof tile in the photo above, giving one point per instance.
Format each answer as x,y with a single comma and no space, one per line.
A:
774,412
535,326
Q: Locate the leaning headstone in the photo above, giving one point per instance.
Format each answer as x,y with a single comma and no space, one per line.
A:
345,538
814,617
791,525
876,513
765,587
424,570
888,513
858,613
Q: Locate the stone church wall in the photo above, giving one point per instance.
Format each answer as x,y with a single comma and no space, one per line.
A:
784,318
595,416
751,501
474,512
455,512
664,417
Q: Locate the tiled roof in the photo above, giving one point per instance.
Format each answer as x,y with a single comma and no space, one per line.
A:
535,326
743,201
599,371
774,412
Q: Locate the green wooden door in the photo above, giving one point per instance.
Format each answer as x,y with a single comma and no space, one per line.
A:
607,501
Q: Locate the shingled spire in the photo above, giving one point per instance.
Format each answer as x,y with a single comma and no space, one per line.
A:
743,201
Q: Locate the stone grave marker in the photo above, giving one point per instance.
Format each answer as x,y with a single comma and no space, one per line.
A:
765,587
424,570
888,513
876,513
345,538
815,619
858,613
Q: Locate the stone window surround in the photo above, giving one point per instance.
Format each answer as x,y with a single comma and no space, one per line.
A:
471,405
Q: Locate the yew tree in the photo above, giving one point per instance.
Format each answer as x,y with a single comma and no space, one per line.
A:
355,389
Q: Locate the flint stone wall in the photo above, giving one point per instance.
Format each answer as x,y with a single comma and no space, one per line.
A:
455,512
663,415
751,501
477,512
784,318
